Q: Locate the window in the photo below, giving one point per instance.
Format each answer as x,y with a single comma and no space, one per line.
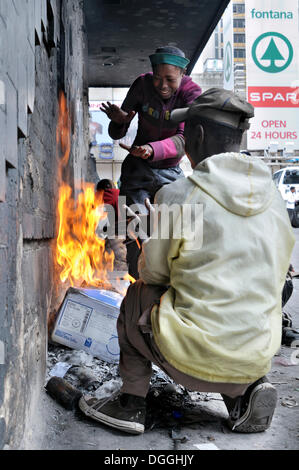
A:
276,178
239,8
291,177
239,23
239,38
239,53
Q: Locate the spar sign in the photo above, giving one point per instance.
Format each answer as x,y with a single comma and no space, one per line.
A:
228,44
272,66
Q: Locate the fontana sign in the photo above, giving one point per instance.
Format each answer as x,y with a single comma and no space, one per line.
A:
272,67
273,15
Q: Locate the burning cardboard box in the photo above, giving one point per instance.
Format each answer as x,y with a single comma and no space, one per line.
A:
87,321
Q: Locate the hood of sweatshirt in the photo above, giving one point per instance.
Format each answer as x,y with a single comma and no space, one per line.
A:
241,184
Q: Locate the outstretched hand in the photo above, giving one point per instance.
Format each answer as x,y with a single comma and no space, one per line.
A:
116,114
142,151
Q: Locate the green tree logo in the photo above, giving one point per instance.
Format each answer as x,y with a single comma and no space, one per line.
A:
272,54
228,61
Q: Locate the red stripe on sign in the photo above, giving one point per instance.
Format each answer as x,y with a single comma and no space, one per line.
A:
273,97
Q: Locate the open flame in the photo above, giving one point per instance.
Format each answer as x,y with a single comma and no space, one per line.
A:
80,253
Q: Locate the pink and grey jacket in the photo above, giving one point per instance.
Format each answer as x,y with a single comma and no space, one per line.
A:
154,125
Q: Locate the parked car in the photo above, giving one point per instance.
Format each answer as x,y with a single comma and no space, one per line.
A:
284,179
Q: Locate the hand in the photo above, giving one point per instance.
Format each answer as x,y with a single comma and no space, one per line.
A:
116,114
142,151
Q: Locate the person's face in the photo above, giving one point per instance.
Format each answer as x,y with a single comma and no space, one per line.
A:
166,79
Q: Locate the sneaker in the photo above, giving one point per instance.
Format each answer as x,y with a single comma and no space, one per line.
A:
289,335
121,411
253,411
286,320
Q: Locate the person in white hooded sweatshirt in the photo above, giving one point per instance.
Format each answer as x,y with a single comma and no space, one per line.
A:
207,307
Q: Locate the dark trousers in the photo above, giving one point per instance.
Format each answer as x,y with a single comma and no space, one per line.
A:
138,349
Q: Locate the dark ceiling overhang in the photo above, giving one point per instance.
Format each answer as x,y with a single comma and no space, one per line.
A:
123,33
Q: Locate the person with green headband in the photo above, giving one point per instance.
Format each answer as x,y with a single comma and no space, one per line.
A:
159,146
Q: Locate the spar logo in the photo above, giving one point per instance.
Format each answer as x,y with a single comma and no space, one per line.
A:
273,97
272,52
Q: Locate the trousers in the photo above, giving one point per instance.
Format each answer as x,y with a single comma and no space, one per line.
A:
138,350
140,179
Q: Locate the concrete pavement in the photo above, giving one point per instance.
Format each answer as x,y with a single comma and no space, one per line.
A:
56,428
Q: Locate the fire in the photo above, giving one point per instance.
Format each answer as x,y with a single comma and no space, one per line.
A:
80,253
63,133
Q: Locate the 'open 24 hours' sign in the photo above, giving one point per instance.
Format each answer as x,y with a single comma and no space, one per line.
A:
272,39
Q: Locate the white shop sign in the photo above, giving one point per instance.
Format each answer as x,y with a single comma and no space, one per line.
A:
272,39
228,48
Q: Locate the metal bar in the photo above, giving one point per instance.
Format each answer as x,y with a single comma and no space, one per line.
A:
281,164
279,158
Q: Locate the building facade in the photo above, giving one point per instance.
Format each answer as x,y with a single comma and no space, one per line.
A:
214,50
41,57
239,46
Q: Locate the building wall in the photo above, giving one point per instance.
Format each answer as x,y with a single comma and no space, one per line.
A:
239,46
45,54
208,80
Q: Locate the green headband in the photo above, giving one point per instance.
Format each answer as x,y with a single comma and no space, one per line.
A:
171,59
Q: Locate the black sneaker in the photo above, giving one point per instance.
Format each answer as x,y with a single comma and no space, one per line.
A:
121,411
289,335
253,411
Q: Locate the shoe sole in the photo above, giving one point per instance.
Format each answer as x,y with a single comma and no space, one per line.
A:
259,413
126,426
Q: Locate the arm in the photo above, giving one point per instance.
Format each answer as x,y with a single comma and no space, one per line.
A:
178,228
158,250
118,130
153,264
172,147
120,122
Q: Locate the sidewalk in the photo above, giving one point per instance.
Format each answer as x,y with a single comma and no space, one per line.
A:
57,428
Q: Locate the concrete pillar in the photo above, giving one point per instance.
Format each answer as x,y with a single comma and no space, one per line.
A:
30,78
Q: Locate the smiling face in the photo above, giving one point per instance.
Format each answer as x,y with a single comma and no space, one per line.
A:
167,79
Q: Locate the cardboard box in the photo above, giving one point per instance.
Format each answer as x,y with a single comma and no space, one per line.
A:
87,321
